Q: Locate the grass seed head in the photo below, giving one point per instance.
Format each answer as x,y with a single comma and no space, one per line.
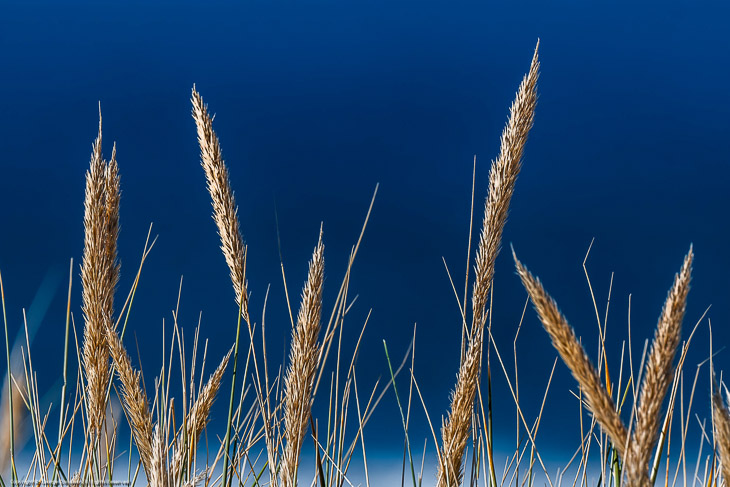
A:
502,178
303,362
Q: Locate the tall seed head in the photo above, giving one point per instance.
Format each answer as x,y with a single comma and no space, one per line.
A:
303,362
99,276
658,374
502,178
225,211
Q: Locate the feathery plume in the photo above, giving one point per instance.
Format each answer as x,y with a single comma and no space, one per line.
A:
225,211
113,196
658,375
721,420
572,352
76,478
159,475
99,275
303,362
198,416
502,178
134,400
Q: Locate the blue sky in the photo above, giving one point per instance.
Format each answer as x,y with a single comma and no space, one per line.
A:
316,103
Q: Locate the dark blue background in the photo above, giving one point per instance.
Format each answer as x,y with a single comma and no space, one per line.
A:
315,103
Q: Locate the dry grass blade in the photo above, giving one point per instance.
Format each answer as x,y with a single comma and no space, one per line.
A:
658,375
572,352
199,415
721,419
303,361
502,178
99,275
134,401
225,211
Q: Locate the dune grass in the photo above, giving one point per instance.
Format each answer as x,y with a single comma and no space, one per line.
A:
270,414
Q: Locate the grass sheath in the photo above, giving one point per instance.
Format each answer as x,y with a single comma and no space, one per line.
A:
502,178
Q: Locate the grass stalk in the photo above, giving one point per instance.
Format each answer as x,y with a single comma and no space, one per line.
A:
502,179
225,214
227,439
65,369
402,416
